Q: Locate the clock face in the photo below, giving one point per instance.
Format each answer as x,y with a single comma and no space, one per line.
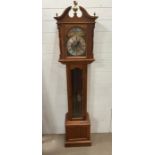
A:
76,45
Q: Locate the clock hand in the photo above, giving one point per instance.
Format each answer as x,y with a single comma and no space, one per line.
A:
78,43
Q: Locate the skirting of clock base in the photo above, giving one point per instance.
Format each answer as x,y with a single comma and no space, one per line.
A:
77,132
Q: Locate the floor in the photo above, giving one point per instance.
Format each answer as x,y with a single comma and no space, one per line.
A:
54,145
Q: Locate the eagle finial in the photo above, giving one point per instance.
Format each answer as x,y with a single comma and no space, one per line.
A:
75,8
75,3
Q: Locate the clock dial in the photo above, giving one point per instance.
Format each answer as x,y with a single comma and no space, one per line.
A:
76,46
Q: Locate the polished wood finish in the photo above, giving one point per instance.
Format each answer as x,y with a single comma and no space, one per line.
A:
65,23
77,129
77,132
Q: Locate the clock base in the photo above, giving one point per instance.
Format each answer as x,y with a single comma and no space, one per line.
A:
77,132
78,143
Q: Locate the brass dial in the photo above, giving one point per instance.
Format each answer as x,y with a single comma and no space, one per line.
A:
76,46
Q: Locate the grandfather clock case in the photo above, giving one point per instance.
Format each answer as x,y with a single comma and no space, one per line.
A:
76,34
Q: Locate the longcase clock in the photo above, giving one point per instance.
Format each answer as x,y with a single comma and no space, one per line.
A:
76,51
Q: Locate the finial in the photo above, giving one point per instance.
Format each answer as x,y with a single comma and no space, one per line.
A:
56,14
75,8
94,14
75,3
